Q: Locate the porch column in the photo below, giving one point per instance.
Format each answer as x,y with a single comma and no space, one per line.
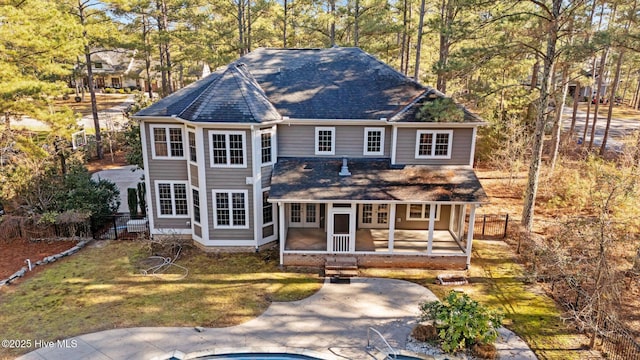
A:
463,215
392,226
472,220
282,230
432,219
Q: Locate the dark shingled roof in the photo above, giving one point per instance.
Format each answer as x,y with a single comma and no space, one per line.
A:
266,84
408,114
317,179
333,83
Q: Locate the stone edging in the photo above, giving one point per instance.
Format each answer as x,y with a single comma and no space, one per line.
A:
49,259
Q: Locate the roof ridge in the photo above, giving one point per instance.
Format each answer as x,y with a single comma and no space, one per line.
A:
202,93
243,86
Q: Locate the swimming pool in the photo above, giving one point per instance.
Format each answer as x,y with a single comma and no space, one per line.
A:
263,356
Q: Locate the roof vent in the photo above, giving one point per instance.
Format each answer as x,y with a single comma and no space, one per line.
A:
344,171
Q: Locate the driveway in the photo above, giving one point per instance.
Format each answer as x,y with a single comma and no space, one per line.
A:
124,177
617,131
333,322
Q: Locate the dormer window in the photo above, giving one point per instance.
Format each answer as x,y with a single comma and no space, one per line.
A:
97,65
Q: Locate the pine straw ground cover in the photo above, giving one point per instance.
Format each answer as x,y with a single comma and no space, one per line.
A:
101,288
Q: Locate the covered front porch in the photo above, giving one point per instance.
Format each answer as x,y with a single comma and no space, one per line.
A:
384,216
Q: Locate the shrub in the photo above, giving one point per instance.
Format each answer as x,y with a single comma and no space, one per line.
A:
440,110
461,321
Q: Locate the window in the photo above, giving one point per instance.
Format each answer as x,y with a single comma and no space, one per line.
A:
374,215
421,212
227,149
265,140
172,199
167,142
193,156
325,141
373,141
97,65
267,209
196,205
230,209
433,144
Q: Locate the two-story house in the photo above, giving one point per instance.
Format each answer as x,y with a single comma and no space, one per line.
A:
319,150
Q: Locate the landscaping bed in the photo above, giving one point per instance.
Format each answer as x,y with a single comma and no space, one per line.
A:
13,253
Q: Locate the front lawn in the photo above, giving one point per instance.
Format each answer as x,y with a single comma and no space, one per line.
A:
101,288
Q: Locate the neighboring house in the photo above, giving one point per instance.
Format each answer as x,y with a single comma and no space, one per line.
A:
318,150
112,69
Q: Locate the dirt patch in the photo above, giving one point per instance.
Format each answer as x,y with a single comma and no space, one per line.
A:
108,162
13,254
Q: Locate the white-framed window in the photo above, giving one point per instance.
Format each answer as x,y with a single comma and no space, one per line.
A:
373,141
267,209
266,146
193,155
195,196
171,199
168,142
227,149
325,141
420,212
374,215
231,209
434,144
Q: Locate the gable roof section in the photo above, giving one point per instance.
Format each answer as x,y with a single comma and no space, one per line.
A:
408,114
333,83
230,95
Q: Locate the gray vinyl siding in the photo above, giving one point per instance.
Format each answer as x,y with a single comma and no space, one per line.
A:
164,170
228,179
266,175
193,169
403,224
299,140
460,150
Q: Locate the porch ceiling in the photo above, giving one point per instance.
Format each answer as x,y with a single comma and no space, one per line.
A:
317,179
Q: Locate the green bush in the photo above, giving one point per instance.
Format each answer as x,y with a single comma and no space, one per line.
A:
440,110
461,321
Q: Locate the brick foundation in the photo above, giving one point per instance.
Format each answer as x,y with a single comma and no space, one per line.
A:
384,261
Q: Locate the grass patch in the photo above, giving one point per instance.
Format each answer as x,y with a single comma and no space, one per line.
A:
104,101
101,288
496,280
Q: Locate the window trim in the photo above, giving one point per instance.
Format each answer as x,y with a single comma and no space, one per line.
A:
265,224
332,129
367,130
194,153
173,199
215,209
166,127
228,149
193,206
435,133
425,212
271,133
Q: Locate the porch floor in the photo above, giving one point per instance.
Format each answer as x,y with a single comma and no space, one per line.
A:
376,240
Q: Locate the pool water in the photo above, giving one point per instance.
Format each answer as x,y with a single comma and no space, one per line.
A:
261,357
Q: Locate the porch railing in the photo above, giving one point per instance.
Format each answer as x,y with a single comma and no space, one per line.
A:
341,243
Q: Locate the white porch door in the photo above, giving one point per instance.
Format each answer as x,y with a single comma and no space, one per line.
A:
341,229
304,215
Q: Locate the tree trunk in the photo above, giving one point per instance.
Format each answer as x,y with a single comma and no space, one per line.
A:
240,27
603,60
446,17
416,74
248,37
612,99
534,75
332,29
284,25
574,113
404,37
356,26
147,55
557,123
536,161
